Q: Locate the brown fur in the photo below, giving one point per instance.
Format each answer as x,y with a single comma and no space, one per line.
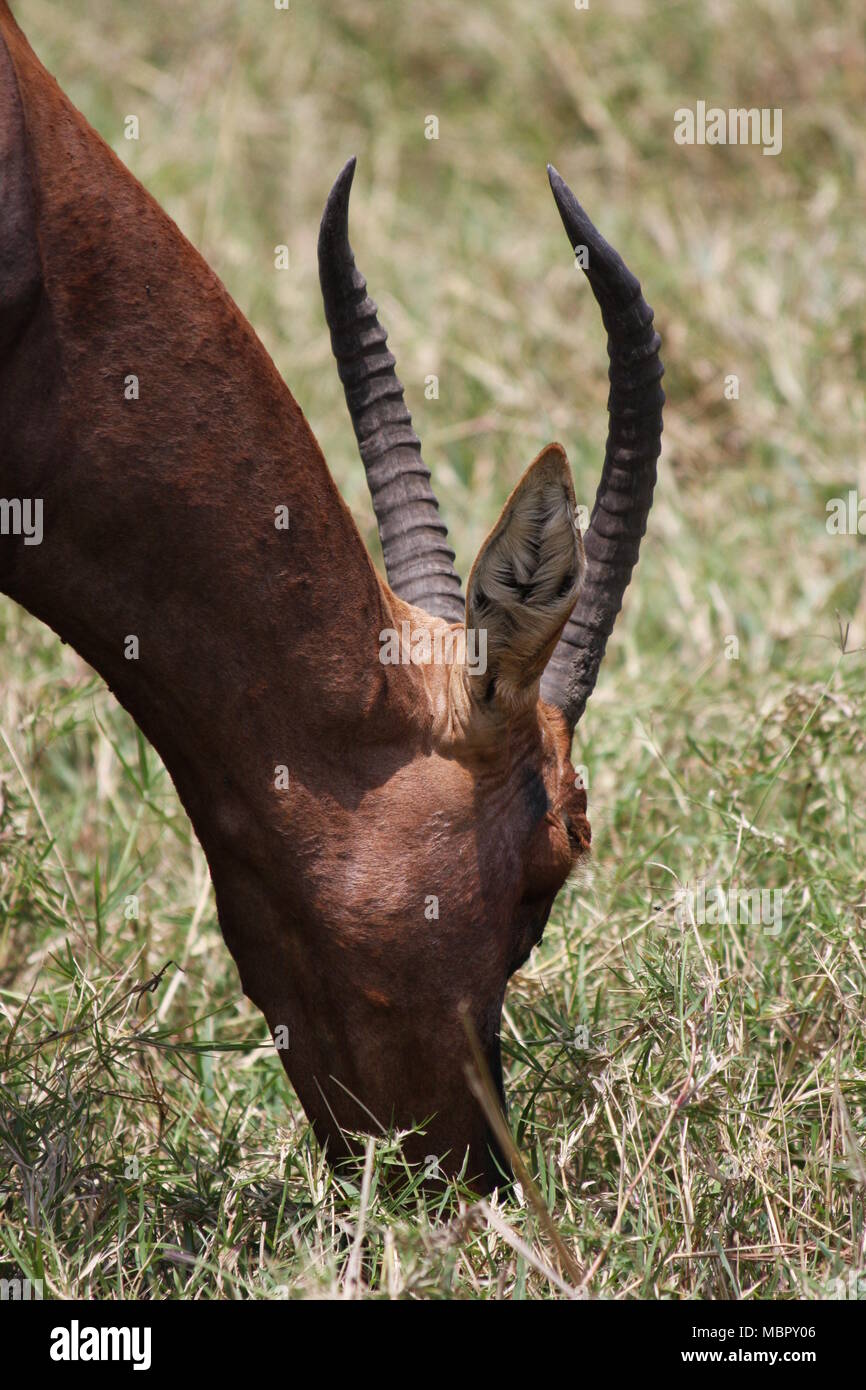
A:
259,647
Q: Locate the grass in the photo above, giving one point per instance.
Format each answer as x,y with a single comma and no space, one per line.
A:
706,1136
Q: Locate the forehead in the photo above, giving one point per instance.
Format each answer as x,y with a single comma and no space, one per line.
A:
490,746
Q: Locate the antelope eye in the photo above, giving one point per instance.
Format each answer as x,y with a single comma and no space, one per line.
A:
578,835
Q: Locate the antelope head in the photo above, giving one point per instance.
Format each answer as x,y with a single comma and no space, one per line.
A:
378,772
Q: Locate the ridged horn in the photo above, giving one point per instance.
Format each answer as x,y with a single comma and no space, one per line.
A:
418,560
625,493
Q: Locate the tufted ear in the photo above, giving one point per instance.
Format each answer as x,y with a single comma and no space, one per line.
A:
524,584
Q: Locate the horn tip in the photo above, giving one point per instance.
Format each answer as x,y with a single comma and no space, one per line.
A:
565,200
576,222
343,181
335,218
556,181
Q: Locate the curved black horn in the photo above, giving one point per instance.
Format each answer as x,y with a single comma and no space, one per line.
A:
418,560
625,492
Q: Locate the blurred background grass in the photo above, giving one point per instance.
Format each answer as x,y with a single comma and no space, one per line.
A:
149,1145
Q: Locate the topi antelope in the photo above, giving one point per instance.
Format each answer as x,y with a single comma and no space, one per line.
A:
410,782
